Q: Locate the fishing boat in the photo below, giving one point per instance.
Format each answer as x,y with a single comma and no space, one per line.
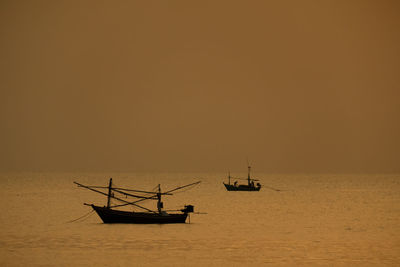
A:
250,186
109,214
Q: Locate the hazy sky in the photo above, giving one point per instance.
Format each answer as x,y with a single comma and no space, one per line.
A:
295,86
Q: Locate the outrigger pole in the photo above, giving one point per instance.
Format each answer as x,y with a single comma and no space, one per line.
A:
154,197
108,195
180,187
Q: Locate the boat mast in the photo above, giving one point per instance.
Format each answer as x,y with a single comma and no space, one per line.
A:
248,174
159,203
229,178
109,193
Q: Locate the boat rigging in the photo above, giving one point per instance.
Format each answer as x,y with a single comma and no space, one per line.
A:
109,214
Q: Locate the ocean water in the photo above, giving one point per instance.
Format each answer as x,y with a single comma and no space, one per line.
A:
315,220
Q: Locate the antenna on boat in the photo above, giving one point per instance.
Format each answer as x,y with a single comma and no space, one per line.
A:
229,177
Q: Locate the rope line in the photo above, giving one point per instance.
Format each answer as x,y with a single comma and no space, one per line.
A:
275,189
81,217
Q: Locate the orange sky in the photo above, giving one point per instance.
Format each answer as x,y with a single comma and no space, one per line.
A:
295,86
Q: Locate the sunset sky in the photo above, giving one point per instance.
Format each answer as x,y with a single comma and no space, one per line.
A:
294,86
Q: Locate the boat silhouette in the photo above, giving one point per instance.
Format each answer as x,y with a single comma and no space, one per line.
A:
109,214
250,186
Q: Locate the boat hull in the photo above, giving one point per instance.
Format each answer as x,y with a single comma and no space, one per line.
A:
241,187
108,215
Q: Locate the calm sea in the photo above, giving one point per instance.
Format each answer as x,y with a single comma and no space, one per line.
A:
315,220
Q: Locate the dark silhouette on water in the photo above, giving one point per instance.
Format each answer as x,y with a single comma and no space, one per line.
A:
110,215
243,187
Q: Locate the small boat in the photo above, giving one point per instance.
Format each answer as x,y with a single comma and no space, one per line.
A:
109,214
243,187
